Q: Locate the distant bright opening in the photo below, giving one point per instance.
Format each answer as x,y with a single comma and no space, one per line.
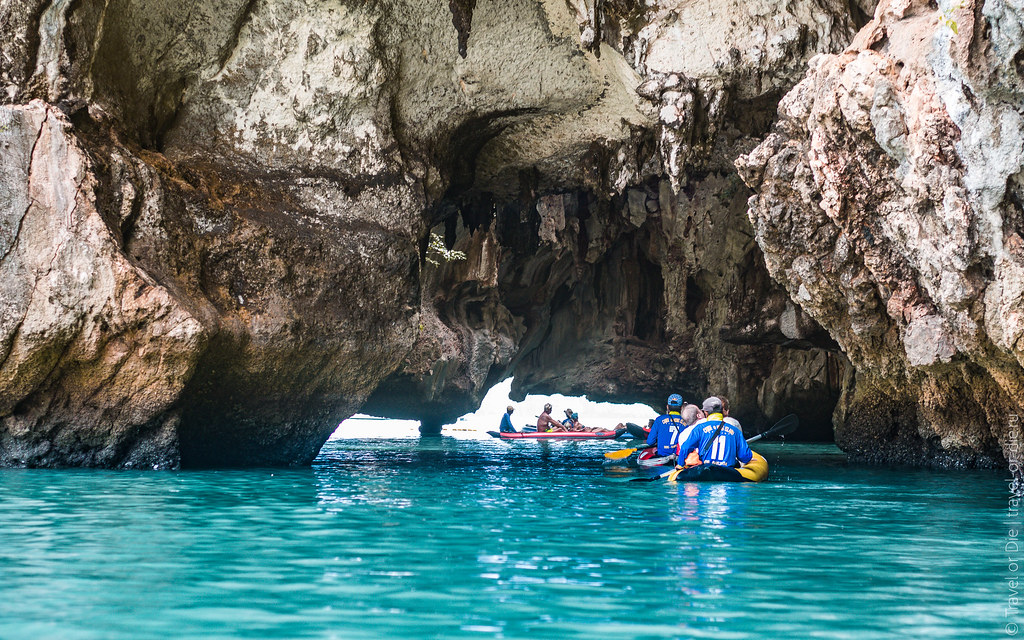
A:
474,426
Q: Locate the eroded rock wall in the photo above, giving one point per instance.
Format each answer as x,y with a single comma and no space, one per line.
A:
279,223
95,350
888,202
632,269
274,167
274,171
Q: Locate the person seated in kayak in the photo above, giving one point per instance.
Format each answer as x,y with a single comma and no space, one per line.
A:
725,412
716,439
691,415
546,423
506,421
572,421
723,405
665,430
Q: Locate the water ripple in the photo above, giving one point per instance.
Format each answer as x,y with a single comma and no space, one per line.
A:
467,539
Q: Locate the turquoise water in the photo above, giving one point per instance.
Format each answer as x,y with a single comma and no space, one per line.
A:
449,538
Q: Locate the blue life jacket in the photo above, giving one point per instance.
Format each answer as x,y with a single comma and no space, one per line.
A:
727,448
665,433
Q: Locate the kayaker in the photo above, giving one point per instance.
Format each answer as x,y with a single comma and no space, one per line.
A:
691,415
506,421
665,430
716,439
546,423
572,421
725,412
721,404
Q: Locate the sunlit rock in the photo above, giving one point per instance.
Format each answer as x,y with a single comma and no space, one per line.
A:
889,204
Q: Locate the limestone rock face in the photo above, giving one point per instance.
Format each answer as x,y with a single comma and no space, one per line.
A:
139,324
218,228
889,204
611,278
289,238
95,351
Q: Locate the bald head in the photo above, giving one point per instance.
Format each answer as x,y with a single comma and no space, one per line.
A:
689,414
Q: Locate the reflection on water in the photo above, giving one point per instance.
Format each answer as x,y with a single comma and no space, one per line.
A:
445,538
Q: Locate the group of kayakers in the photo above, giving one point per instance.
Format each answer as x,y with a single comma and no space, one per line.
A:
693,435
546,422
685,433
695,443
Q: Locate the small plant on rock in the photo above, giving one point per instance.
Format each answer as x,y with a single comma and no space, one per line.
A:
946,17
438,253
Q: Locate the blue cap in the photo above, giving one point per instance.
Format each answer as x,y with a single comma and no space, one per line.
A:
675,400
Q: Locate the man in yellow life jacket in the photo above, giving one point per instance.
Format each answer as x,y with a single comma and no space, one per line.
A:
718,438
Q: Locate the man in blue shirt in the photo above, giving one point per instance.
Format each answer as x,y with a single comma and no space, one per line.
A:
506,421
665,430
716,439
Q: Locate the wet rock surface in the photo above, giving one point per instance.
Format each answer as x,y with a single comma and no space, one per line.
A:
218,218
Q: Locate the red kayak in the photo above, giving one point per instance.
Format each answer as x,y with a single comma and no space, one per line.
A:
649,458
558,435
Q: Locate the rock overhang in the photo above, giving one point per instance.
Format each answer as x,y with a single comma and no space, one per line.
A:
582,161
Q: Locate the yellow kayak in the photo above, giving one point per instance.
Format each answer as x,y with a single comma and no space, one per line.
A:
754,471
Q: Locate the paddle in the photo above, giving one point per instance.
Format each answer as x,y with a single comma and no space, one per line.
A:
624,453
781,428
631,429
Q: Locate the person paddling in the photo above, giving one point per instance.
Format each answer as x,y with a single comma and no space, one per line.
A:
665,430
506,421
716,439
546,423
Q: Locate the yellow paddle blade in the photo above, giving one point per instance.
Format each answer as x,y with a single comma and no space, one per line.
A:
620,454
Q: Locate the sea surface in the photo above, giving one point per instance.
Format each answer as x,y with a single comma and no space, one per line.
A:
469,538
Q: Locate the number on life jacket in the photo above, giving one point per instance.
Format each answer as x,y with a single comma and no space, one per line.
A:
718,449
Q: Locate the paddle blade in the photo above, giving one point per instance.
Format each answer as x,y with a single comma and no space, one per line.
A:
783,427
620,454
